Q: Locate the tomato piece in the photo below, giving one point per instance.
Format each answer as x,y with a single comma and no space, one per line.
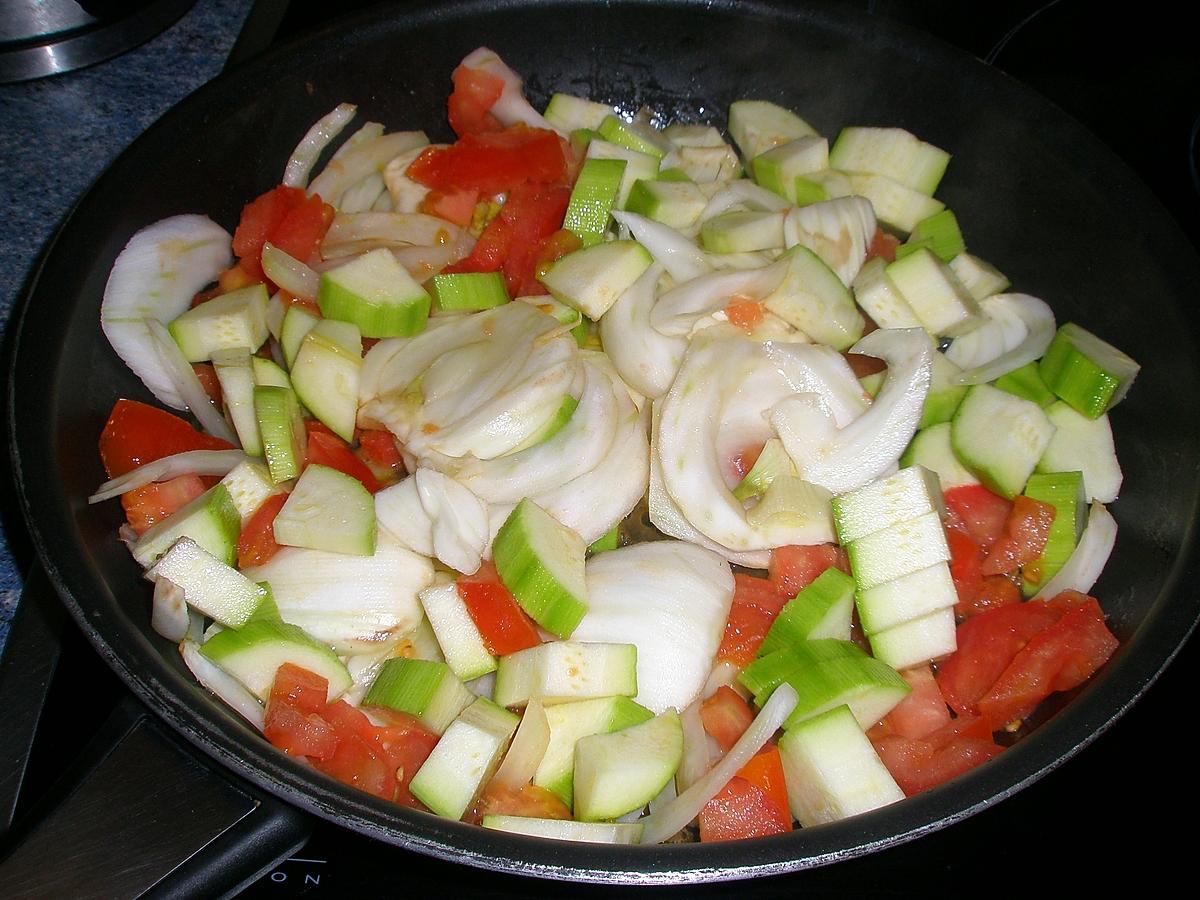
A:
299,733
293,720
994,591
726,716
456,205
553,248
862,365
493,162
765,771
137,433
299,687
512,240
883,245
528,800
978,512
966,560
405,743
919,765
206,374
741,810
261,216
745,314
756,603
150,504
987,644
327,449
795,567
356,763
1061,656
243,273
744,459
379,446
534,214
256,543
475,92
286,217
504,626
1024,539
302,228
922,712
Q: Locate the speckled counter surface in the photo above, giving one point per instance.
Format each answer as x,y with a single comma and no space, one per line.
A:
59,134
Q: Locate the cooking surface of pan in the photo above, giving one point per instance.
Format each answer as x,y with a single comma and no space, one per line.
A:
1037,195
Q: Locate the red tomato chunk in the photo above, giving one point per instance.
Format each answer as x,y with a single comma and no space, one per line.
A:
1011,658
756,603
341,741
503,625
919,764
150,504
137,433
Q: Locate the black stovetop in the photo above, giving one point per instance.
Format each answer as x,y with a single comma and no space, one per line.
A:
1136,85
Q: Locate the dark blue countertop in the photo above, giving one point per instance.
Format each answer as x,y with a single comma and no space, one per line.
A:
60,133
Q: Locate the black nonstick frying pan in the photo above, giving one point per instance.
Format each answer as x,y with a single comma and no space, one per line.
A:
1036,194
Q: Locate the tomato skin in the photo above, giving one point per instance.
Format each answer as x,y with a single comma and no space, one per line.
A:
299,733
1024,538
862,365
503,624
327,449
137,433
922,712
726,716
256,543
151,503
765,771
206,374
978,512
756,603
293,721
794,568
493,162
355,763
302,228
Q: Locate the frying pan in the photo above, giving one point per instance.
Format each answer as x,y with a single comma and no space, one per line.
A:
1037,195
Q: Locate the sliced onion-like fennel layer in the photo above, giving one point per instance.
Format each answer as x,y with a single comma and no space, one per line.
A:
669,598
839,231
480,385
646,358
351,603
155,277
1017,330
717,406
436,516
842,458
